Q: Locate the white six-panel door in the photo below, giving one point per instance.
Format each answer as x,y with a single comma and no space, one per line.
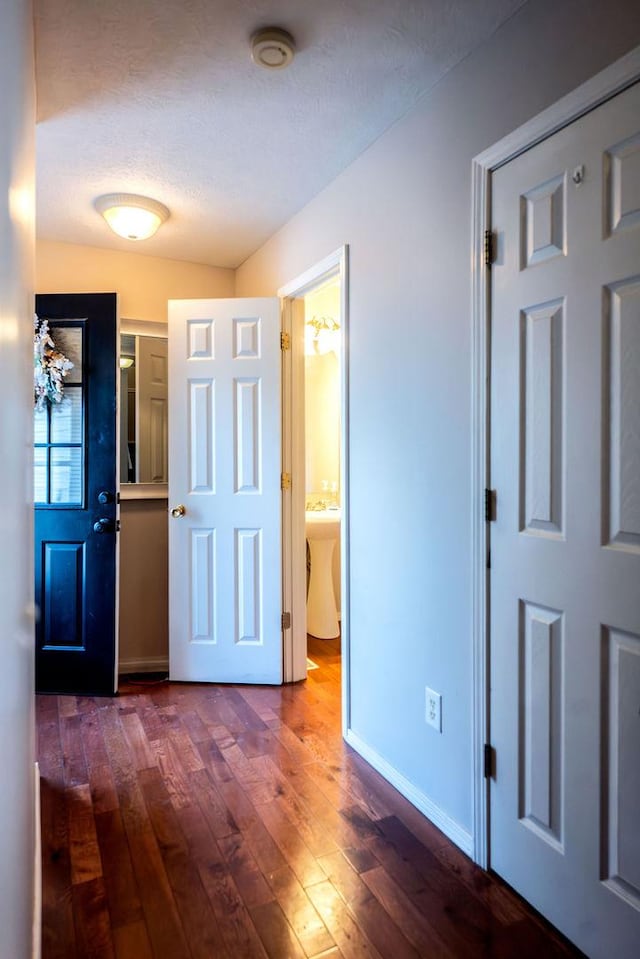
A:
565,550
225,595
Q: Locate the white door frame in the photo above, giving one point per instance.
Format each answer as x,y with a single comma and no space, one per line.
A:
586,97
293,536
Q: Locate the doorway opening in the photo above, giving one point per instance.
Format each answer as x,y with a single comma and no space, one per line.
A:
315,451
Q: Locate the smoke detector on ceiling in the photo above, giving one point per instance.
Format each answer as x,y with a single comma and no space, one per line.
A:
272,48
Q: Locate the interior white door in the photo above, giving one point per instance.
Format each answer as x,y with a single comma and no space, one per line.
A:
225,566
565,549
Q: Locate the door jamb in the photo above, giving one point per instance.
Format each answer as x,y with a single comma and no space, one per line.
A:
336,264
606,84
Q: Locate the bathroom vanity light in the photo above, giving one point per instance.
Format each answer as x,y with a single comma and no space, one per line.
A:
323,338
126,362
131,216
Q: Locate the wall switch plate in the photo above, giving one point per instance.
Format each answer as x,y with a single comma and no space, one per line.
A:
433,714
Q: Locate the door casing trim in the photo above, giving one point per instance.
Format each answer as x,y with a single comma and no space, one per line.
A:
336,264
605,85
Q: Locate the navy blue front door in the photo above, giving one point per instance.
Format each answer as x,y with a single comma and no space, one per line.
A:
76,502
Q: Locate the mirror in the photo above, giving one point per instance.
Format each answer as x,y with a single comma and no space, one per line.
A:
143,405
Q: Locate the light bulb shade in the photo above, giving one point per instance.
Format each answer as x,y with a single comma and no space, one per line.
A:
131,216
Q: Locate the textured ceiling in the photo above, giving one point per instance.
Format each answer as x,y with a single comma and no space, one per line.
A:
160,97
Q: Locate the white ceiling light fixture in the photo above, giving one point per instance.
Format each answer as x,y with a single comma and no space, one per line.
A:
131,216
272,48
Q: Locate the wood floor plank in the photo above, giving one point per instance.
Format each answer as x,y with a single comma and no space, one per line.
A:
215,810
125,907
141,751
91,736
244,710
460,919
160,910
190,758
198,921
132,941
84,851
321,813
214,761
278,938
196,729
236,925
342,925
91,918
409,919
58,931
293,847
310,930
248,877
67,706
374,920
104,793
151,722
173,772
193,821
75,767
161,915
500,900
264,849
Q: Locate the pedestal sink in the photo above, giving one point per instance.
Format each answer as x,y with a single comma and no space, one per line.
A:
323,531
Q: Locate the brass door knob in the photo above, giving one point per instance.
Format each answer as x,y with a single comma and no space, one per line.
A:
178,511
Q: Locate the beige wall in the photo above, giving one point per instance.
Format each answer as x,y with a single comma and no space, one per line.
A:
404,209
144,581
144,283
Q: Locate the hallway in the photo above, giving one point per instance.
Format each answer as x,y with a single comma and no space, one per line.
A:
219,821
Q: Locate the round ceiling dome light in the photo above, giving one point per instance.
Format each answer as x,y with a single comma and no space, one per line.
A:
131,216
272,48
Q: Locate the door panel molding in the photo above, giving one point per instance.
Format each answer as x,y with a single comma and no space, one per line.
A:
600,88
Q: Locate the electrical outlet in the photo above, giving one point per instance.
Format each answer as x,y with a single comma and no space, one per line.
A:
433,713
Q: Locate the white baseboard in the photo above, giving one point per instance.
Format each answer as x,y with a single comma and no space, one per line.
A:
36,937
452,829
157,664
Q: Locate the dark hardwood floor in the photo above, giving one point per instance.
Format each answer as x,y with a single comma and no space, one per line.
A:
202,821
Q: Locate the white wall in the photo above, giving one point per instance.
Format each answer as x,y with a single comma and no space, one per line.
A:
404,209
16,559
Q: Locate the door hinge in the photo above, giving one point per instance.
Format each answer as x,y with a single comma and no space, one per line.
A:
490,505
285,481
489,753
286,621
285,341
489,248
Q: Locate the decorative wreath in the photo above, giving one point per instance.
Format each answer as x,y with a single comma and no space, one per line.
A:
50,366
